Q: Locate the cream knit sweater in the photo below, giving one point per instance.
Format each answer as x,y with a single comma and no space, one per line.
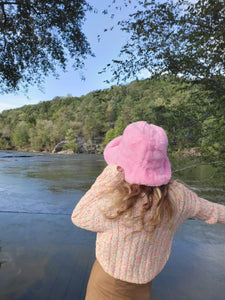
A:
128,254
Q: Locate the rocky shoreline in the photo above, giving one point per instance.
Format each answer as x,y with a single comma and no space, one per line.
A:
83,145
98,149
95,146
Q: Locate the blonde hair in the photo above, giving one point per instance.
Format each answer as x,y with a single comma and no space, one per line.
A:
158,201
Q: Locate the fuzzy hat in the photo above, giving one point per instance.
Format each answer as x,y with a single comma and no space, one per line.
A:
142,152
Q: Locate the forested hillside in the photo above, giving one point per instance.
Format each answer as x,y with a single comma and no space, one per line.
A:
183,109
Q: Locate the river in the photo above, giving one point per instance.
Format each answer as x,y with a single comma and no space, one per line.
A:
44,256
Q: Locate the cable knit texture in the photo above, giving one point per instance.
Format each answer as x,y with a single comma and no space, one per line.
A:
128,254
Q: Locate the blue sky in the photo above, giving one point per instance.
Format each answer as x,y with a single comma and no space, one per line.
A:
70,82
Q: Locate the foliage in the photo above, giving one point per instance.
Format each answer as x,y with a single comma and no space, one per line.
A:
185,39
36,36
185,110
20,134
181,37
71,141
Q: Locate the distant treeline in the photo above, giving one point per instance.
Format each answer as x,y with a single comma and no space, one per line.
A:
182,108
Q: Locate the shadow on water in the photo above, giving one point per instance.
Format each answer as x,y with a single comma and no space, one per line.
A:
46,257
60,277
3,261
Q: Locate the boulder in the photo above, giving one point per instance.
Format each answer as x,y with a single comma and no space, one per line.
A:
84,145
68,151
59,147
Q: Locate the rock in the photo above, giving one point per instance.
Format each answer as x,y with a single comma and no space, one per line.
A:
84,145
59,147
68,151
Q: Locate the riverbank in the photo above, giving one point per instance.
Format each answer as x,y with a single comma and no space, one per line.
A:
195,152
89,122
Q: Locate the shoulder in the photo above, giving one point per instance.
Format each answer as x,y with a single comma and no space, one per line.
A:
109,176
176,188
179,191
111,168
187,200
109,171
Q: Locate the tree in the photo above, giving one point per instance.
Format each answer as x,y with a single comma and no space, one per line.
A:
71,141
19,135
177,37
186,39
36,36
185,110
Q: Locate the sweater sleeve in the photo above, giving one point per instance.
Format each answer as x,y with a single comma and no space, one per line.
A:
88,212
200,208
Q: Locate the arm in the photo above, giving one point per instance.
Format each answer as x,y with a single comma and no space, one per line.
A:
200,208
87,214
211,212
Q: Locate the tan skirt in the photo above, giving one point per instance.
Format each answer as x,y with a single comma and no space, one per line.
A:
102,286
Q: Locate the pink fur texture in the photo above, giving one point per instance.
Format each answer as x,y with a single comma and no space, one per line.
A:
142,152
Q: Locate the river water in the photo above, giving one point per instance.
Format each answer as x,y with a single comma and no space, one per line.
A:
44,256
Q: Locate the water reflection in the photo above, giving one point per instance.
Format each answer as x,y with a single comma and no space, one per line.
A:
195,269
207,180
67,172
55,183
44,256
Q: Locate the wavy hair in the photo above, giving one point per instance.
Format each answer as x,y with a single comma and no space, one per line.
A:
158,201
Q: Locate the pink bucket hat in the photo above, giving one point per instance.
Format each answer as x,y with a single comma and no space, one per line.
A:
142,152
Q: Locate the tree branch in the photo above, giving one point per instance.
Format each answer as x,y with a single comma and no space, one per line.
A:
8,3
5,21
3,11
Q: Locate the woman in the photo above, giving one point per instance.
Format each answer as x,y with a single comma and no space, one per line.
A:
135,209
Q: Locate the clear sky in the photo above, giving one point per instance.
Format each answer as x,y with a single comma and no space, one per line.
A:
70,82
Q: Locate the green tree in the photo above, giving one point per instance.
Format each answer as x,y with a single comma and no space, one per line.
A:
44,136
36,36
19,135
71,141
110,135
177,37
185,110
185,39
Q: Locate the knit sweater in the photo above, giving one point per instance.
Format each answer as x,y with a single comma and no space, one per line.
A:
124,252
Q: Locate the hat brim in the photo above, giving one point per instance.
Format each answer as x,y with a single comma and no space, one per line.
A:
111,151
